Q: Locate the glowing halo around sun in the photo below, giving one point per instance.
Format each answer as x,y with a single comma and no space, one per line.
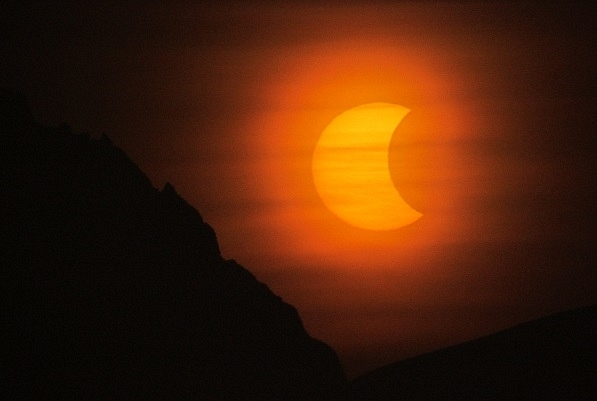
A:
351,172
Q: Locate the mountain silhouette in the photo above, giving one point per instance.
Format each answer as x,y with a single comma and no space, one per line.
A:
114,290
553,358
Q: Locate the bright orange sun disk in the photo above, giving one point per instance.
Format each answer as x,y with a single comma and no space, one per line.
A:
351,172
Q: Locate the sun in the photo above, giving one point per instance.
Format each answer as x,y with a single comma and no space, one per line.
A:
350,168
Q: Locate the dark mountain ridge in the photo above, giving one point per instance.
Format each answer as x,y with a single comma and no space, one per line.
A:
115,290
553,358
112,289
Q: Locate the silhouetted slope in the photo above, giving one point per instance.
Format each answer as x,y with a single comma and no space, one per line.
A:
554,358
113,290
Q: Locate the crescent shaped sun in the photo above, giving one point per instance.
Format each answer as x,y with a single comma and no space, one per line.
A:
351,172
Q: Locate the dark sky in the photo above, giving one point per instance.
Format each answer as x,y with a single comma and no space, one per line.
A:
226,102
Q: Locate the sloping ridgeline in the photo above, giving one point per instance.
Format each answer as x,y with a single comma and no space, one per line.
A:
113,290
549,359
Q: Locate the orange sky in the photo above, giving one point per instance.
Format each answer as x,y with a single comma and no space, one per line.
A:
227,103
425,285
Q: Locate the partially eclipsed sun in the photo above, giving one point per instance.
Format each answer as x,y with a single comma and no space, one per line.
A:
351,171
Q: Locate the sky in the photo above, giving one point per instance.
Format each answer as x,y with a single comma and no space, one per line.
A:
227,102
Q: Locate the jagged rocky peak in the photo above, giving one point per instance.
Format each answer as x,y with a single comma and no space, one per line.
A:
116,290
187,219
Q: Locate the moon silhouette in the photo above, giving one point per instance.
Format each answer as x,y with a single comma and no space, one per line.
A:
351,171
